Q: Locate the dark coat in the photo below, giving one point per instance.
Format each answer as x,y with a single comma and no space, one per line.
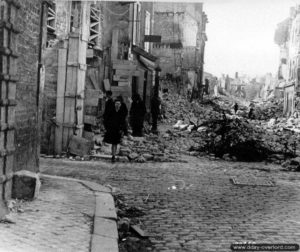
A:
155,103
109,107
124,110
137,114
137,110
114,125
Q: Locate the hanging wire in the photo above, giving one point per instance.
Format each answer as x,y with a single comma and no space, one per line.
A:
114,13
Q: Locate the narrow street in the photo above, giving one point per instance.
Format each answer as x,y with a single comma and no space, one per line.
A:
132,126
194,206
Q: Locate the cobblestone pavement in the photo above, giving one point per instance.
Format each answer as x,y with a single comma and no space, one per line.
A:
59,220
195,206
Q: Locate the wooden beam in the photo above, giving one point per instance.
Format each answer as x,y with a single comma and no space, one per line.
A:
61,85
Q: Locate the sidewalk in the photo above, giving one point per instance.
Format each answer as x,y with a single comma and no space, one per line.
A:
69,215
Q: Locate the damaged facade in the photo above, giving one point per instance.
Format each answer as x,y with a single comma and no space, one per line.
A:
287,37
92,47
182,30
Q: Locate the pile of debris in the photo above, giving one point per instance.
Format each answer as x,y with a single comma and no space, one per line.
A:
267,110
212,128
151,147
216,129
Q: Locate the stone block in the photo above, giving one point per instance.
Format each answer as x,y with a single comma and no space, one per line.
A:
26,185
133,156
105,206
124,151
80,146
148,156
122,159
105,228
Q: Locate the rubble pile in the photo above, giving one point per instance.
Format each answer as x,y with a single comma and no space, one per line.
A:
238,139
148,148
272,108
292,164
214,128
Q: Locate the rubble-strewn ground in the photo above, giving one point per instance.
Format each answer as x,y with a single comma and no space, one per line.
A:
212,128
195,206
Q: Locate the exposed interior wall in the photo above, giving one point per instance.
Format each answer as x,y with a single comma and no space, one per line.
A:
178,25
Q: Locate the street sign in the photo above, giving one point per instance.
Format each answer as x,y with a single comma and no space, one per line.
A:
152,38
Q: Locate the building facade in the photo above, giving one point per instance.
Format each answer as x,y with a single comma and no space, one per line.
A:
90,47
287,36
182,30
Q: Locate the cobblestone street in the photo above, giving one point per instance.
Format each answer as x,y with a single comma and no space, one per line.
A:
195,206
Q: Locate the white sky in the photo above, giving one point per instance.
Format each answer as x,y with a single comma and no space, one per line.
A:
241,35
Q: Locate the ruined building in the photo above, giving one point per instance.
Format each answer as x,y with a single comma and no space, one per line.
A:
91,47
287,37
182,29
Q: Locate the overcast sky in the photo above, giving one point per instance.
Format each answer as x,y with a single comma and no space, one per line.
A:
241,35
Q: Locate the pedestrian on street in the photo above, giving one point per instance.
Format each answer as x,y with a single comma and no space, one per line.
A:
137,114
124,112
236,108
251,113
114,126
155,110
189,90
206,87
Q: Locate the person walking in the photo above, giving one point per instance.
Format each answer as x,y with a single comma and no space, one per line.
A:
137,114
124,112
206,87
114,126
236,108
155,110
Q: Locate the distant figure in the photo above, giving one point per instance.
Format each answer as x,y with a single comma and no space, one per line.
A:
206,87
155,105
114,125
189,89
236,108
216,84
124,112
251,113
137,114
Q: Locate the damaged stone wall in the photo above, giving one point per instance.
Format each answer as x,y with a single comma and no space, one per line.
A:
26,137
177,23
116,15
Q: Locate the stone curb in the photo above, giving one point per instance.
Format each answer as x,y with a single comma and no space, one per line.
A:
105,234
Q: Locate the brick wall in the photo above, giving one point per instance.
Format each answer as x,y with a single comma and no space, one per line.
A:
26,138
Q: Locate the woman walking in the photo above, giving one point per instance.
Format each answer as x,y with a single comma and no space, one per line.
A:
114,122
137,114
